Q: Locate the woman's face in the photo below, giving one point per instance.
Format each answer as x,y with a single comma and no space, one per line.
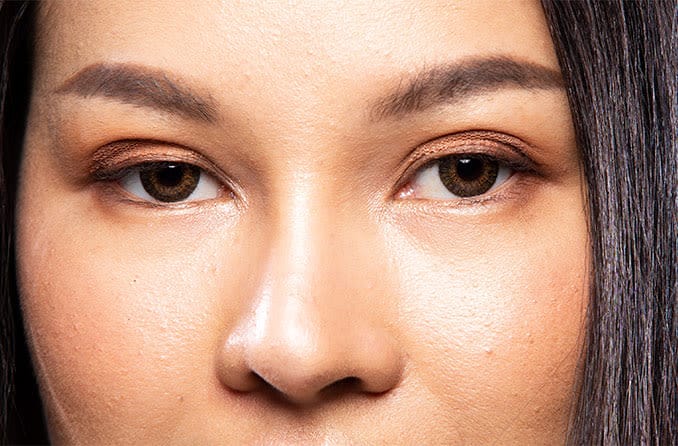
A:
313,222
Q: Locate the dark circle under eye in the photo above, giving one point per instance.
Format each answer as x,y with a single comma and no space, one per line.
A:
468,175
169,182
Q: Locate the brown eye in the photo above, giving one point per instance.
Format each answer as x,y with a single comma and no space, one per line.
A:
170,182
468,175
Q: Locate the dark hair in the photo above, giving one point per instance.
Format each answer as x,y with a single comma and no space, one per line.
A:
21,419
619,63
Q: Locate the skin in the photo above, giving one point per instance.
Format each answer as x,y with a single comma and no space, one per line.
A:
322,297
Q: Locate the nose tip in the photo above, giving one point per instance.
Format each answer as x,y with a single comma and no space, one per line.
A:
301,377
308,370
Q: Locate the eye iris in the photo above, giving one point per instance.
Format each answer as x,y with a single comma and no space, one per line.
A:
468,176
168,182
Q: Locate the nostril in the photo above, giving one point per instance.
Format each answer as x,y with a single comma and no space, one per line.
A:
350,382
258,380
264,387
334,390
343,386
289,360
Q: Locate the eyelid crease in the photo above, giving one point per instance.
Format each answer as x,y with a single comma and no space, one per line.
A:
484,143
113,161
475,137
110,157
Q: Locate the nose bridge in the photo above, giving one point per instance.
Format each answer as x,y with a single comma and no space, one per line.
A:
306,331
305,229
302,283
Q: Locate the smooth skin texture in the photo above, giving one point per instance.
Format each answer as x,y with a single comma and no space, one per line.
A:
320,293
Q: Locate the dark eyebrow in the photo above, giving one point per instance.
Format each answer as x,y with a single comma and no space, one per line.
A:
143,86
455,82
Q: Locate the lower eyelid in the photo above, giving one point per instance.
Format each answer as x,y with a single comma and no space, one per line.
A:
516,190
516,160
434,189
125,184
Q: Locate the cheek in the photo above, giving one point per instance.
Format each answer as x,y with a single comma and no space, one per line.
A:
498,311
123,323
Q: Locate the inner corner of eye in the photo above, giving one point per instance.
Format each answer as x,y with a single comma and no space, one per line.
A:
405,191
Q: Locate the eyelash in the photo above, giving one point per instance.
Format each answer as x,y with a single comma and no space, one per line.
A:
483,145
119,176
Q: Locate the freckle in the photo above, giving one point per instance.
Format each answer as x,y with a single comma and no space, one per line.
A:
180,398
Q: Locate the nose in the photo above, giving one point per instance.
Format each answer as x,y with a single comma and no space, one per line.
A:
318,326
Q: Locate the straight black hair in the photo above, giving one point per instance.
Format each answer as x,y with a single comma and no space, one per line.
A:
21,418
619,63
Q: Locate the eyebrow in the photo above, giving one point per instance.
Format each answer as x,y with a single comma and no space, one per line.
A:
446,84
142,86
455,82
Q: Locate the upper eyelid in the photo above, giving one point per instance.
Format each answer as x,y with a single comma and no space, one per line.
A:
120,155
442,146
123,195
115,174
479,142
114,160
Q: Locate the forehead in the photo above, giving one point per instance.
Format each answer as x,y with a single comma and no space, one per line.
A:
299,47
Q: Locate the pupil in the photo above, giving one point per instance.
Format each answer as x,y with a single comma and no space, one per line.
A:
170,176
469,169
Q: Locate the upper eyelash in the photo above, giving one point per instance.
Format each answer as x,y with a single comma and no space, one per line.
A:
522,163
109,177
110,185
103,169
517,166
116,174
113,161
472,138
